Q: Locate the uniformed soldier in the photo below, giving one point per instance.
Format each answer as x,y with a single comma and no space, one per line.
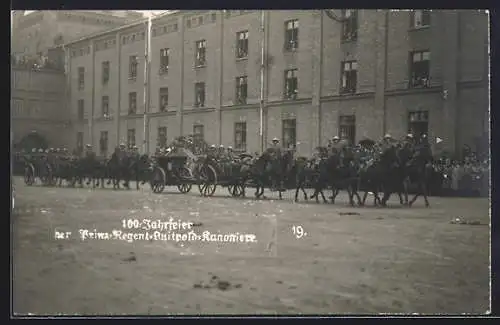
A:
135,151
335,145
212,152
221,152
89,153
387,142
276,149
230,153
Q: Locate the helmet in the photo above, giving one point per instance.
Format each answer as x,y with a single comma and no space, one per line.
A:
276,140
409,136
40,150
221,146
212,146
88,146
122,144
387,136
336,138
230,148
134,147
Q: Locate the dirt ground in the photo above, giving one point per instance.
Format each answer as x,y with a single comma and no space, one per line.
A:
351,260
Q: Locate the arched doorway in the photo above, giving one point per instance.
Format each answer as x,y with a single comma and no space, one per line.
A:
30,141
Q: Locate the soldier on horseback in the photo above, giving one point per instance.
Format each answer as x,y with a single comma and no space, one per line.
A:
276,162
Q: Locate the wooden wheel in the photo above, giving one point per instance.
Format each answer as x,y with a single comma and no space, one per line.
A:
158,179
185,176
29,175
236,190
208,180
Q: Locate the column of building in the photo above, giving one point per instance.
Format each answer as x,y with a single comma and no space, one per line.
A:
117,114
317,79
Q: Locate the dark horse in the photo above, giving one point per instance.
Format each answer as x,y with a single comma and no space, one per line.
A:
269,170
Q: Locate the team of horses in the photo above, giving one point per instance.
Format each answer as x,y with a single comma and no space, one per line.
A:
379,173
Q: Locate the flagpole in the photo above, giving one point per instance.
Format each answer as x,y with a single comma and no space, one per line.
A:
147,60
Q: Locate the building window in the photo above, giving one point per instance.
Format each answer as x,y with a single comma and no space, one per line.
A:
105,106
240,136
200,53
199,93
81,78
241,90
291,35
81,110
164,57
349,25
420,18
347,128
349,72
291,84
419,69
79,142
418,123
162,137
105,72
103,143
289,133
132,103
163,99
242,44
198,134
132,68
130,138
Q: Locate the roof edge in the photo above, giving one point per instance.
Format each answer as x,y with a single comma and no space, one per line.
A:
119,28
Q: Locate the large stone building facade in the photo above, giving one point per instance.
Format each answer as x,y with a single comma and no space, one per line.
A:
355,73
35,32
38,114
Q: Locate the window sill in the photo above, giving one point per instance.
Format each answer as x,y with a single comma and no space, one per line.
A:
412,29
240,102
347,92
348,40
244,58
199,66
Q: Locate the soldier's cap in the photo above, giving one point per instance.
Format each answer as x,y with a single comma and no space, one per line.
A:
336,138
230,147
409,135
135,147
221,146
122,144
88,146
212,146
40,150
276,140
424,135
387,136
33,150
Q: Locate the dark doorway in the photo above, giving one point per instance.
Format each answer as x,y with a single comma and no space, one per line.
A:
31,141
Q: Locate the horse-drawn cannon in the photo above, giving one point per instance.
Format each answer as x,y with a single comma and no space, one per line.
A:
171,170
230,174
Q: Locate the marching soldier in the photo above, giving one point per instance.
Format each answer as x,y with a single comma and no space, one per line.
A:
276,149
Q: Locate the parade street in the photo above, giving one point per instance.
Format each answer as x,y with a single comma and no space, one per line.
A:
84,251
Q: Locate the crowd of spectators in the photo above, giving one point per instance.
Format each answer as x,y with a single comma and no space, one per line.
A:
468,176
